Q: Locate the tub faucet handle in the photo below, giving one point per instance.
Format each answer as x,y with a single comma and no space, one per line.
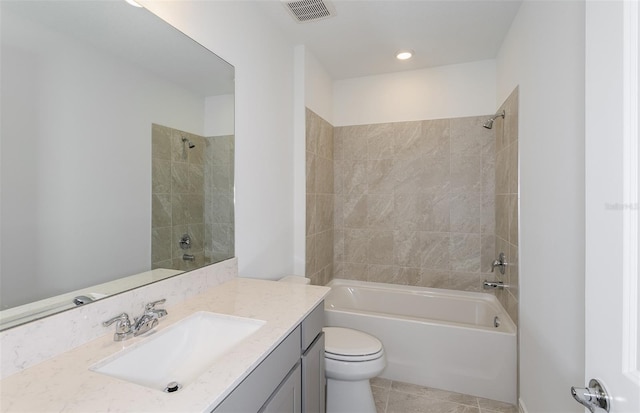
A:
500,262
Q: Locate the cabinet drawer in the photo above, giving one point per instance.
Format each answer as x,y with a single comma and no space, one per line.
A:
312,326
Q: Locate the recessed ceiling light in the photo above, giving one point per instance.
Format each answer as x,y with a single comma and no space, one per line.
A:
404,54
133,3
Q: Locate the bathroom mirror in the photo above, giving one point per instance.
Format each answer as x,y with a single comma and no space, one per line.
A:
116,154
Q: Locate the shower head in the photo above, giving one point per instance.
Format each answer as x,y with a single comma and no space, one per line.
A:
191,144
489,123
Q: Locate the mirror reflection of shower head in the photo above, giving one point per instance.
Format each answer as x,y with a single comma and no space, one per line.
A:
191,144
489,124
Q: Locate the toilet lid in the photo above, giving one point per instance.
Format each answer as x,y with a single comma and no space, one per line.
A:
345,343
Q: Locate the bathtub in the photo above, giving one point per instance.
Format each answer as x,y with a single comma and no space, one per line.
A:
452,340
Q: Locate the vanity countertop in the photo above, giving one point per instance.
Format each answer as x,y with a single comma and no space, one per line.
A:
65,383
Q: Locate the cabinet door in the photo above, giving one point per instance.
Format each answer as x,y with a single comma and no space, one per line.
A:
313,377
287,398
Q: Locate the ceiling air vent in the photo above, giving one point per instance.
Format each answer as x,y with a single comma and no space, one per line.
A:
304,11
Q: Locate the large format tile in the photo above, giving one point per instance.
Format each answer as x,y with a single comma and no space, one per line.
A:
411,403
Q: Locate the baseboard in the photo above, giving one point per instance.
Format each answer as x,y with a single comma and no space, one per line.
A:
521,406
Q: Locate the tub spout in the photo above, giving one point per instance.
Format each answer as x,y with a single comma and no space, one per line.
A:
492,284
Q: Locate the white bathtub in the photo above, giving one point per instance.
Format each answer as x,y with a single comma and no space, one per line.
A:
433,337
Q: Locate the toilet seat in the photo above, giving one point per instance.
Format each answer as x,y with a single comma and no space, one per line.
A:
346,344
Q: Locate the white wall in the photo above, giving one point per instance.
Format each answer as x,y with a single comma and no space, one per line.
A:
318,88
219,115
264,63
71,182
442,92
544,54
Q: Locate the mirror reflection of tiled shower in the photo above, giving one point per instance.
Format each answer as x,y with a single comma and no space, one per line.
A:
192,199
507,202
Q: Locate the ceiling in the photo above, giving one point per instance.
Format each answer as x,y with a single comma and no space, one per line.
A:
363,37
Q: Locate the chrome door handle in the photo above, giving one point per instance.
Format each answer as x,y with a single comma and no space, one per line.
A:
595,397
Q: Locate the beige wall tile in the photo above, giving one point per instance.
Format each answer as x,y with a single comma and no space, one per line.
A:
488,171
310,254
465,252
338,143
409,175
514,271
435,138
325,139
160,244
389,274
312,132
407,248
324,176
311,168
380,176
380,143
434,250
354,142
468,137
338,214
356,243
354,271
338,173
465,281
380,247
511,117
434,278
338,245
407,139
513,167
355,211
324,247
487,252
513,219
466,173
324,212
354,178
380,211
488,213
502,172
465,211
502,216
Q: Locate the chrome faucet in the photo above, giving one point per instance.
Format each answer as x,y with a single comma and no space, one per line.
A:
492,284
123,327
147,321
500,262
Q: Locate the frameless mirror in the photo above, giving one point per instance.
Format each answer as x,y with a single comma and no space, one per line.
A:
116,156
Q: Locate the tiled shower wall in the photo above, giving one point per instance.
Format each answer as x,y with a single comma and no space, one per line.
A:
177,198
219,240
507,200
320,199
414,202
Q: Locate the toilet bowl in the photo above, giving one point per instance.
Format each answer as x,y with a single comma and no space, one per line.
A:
351,359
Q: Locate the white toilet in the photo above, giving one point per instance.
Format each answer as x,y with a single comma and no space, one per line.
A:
351,359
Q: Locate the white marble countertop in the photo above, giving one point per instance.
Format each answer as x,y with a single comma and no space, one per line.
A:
65,383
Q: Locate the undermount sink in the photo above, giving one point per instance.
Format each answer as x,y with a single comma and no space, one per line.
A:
173,358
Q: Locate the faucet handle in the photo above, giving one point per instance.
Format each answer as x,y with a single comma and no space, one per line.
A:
151,307
122,318
123,326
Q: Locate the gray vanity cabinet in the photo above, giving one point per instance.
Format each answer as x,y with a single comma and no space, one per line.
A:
291,379
288,396
313,377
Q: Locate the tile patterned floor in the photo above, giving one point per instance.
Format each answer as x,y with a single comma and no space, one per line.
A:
397,397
